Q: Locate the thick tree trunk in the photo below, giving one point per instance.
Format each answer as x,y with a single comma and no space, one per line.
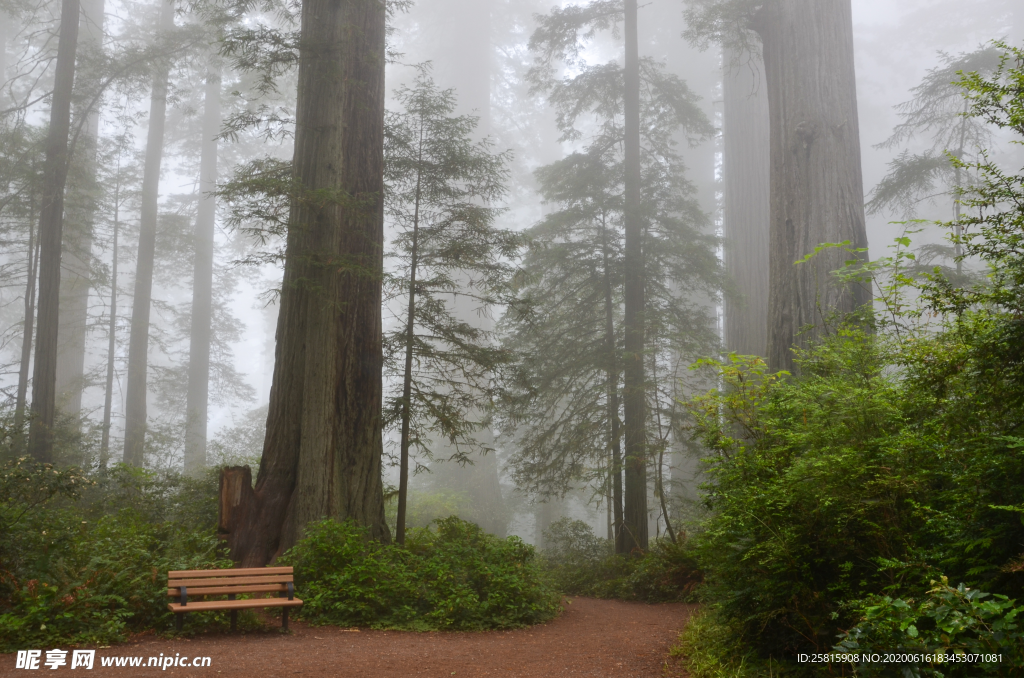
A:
76,278
51,227
817,193
747,208
197,397
322,454
633,534
138,342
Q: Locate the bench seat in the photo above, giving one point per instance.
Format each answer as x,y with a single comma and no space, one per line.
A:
184,584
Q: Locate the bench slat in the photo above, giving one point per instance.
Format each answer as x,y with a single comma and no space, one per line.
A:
233,604
223,590
232,581
239,572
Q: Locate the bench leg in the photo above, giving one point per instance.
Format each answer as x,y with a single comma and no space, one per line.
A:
177,622
284,618
234,619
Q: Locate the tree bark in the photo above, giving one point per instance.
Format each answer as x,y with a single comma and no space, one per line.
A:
108,392
76,278
747,207
633,534
322,453
26,337
138,342
614,432
197,398
51,227
817,193
410,334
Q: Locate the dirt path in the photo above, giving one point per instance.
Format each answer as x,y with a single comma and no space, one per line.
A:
590,638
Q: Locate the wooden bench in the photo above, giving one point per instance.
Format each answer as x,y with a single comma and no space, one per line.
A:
258,580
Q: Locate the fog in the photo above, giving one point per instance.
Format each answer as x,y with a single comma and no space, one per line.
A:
505,466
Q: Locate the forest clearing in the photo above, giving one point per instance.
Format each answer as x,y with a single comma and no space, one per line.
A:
519,337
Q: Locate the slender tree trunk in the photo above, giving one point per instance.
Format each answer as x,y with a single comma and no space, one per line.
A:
26,338
817,193
410,334
615,435
634,526
747,171
322,454
197,398
5,28
76,278
51,226
108,392
138,342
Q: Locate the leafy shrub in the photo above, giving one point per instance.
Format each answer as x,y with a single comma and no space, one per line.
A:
85,560
581,563
961,621
454,576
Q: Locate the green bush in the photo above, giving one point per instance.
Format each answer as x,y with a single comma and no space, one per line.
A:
454,576
85,560
581,563
948,621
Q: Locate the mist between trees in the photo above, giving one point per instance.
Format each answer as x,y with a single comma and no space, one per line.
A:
410,259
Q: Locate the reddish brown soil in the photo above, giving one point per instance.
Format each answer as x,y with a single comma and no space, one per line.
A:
590,638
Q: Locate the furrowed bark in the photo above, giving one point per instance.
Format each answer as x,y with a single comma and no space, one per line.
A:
747,207
633,534
138,341
197,397
817,193
322,453
51,227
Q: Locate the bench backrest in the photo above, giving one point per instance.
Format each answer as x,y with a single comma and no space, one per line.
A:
229,582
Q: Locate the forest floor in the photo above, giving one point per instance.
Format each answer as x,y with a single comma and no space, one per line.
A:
590,638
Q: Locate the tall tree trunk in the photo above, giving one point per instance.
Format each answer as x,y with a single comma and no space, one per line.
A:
108,392
197,398
614,433
322,453
747,170
410,334
138,342
634,524
26,337
51,227
817,193
76,278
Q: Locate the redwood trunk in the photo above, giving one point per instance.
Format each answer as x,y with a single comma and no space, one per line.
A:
322,453
138,342
77,245
747,208
197,397
817,193
51,227
633,534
